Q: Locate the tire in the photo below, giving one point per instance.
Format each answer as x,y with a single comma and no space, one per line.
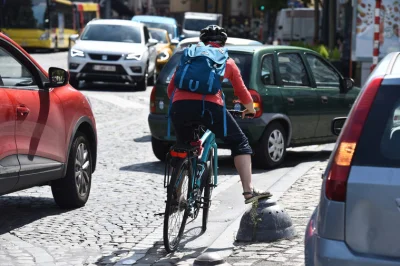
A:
172,205
160,148
67,192
208,188
142,84
265,160
74,82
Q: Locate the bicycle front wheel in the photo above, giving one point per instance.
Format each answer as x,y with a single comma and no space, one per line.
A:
208,188
177,209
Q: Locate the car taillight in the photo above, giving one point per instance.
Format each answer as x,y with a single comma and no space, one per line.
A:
336,184
257,102
153,101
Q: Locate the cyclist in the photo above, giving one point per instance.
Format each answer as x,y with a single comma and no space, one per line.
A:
187,106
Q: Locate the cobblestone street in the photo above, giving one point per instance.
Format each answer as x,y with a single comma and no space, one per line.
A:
118,221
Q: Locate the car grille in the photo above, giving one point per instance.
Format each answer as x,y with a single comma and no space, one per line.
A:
107,57
88,68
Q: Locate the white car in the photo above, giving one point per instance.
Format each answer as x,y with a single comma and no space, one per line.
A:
113,50
230,41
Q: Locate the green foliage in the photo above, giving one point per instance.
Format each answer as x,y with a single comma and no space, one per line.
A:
333,55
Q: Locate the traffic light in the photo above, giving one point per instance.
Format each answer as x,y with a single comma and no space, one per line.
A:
261,7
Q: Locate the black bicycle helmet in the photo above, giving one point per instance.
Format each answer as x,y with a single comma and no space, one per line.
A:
213,33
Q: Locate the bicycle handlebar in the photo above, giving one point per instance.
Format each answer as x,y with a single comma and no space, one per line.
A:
236,113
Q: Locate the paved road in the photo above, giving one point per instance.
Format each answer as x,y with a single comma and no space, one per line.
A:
127,191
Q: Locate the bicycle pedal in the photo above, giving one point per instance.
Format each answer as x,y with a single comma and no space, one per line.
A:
159,214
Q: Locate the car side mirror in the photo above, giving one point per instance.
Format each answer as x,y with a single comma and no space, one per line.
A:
74,37
337,125
58,77
174,42
152,42
181,37
347,84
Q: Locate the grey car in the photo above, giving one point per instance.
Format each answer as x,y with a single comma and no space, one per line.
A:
113,50
358,217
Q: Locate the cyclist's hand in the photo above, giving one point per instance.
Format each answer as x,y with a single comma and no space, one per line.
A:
250,111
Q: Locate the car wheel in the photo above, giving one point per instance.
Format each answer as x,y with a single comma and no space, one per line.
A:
73,190
272,150
142,84
74,82
160,148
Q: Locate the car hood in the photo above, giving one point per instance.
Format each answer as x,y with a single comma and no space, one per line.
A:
109,47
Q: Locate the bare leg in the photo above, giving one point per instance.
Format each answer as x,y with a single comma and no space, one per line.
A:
243,166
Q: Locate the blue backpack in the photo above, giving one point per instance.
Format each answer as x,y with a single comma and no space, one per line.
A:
201,70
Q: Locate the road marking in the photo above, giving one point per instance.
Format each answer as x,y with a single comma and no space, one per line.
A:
116,100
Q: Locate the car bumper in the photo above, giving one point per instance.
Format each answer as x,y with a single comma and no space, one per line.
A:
252,128
320,251
84,68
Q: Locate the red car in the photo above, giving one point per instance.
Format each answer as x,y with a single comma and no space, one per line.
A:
47,129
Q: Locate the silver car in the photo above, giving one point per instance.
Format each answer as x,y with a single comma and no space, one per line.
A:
358,217
113,50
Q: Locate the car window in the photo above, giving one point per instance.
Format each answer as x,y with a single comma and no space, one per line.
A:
267,70
324,75
379,144
168,27
112,33
292,70
12,72
160,36
197,24
243,61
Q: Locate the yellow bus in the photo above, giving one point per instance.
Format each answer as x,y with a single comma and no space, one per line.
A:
45,23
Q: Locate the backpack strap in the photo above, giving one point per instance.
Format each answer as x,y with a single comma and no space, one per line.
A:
169,115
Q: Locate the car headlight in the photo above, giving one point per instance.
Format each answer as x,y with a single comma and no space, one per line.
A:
77,53
163,55
134,56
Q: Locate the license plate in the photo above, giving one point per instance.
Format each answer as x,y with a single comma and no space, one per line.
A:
104,68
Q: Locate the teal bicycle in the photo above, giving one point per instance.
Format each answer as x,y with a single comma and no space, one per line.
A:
191,174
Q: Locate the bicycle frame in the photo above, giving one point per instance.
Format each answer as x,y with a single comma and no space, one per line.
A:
208,143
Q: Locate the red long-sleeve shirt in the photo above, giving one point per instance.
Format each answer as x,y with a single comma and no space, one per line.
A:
232,73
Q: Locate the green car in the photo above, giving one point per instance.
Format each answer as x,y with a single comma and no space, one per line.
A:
297,91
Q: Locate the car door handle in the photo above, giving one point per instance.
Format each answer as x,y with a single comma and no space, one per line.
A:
290,101
324,99
23,111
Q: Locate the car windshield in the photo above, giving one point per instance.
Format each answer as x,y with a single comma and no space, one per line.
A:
168,27
112,33
23,14
160,36
243,61
197,24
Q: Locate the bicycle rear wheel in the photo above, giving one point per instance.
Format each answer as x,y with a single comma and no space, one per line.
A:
208,188
176,209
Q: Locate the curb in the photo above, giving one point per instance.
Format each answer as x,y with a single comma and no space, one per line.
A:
224,245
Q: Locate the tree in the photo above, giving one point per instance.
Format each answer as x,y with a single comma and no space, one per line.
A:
316,21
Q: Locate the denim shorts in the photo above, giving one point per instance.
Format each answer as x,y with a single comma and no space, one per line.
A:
189,111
